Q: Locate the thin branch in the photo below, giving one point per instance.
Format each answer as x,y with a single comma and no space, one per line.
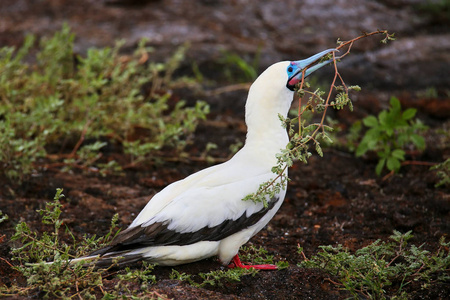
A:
76,286
333,282
80,141
6,261
364,35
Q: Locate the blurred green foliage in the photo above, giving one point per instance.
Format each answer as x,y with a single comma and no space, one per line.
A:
100,99
389,134
443,172
238,69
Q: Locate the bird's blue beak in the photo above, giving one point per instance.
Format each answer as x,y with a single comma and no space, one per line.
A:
295,68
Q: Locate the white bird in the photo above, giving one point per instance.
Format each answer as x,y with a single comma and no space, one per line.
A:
204,215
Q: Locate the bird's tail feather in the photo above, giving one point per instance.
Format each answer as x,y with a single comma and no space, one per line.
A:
101,261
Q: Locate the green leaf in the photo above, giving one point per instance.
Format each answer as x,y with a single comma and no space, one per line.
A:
374,134
361,149
319,149
409,113
399,154
384,154
393,164
418,141
383,116
370,121
395,104
389,131
380,166
402,139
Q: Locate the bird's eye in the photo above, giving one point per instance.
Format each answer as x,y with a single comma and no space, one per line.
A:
290,69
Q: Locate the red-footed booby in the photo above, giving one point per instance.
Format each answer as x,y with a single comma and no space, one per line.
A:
204,215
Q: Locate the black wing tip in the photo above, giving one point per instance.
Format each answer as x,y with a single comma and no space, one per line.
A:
101,251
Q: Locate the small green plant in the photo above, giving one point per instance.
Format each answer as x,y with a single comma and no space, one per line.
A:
393,265
250,255
353,136
429,92
213,278
3,217
238,69
59,278
233,148
206,153
143,275
258,256
65,109
218,276
443,172
389,134
180,276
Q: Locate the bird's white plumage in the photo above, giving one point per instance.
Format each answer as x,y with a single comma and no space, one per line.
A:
214,195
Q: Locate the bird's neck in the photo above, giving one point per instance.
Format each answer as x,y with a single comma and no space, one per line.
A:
265,133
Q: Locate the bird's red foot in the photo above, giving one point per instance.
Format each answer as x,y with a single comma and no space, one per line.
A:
238,264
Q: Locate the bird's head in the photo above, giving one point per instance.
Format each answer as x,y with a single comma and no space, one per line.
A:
271,93
282,77
295,68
